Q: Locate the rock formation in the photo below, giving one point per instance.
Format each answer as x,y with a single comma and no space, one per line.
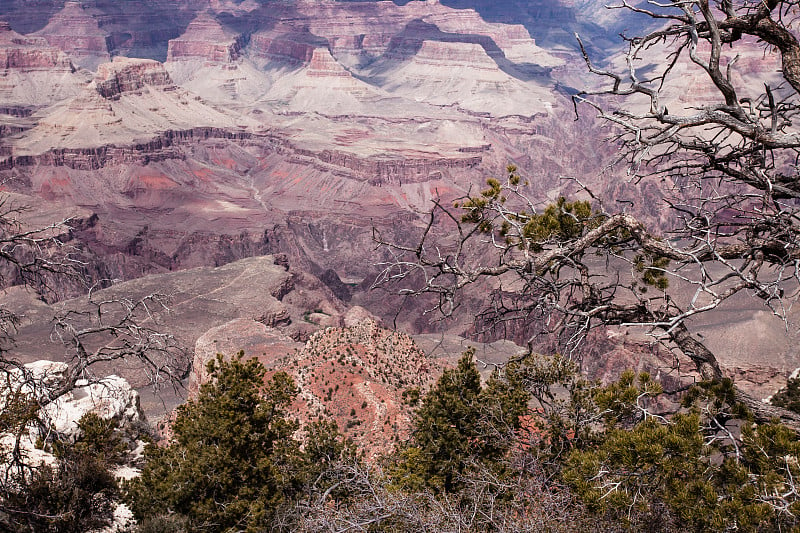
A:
290,128
129,75
457,73
76,31
253,337
32,73
285,45
29,53
260,291
206,39
131,102
110,398
355,375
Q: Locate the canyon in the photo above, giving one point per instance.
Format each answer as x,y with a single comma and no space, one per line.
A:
240,156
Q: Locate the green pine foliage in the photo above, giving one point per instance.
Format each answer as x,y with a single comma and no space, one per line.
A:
705,468
324,449
74,495
461,424
99,438
232,460
535,428
788,397
561,221
653,271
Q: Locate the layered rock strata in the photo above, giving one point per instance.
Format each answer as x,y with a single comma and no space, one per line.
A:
285,45
206,39
29,53
76,31
32,73
125,75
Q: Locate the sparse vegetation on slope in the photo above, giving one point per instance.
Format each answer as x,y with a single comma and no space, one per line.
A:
535,448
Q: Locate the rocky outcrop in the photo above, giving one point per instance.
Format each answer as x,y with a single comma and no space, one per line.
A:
132,104
125,75
143,28
363,28
103,28
29,53
356,315
355,375
363,31
454,55
391,171
200,300
452,71
16,111
254,338
157,149
512,42
76,31
32,73
285,45
376,170
111,398
323,65
418,34
206,39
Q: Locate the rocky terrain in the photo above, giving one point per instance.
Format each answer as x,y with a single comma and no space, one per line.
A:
203,146
262,289
111,398
355,373
291,128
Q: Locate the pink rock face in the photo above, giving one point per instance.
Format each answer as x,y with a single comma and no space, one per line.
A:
206,39
305,155
254,338
75,31
454,54
357,314
25,53
369,28
333,118
323,65
356,375
428,42
285,45
128,75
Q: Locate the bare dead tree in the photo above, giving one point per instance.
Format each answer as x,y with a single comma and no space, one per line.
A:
120,329
724,151
366,501
34,255
98,331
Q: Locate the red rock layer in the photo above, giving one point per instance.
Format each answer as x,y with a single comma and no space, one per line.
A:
26,53
323,65
205,38
285,45
356,375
